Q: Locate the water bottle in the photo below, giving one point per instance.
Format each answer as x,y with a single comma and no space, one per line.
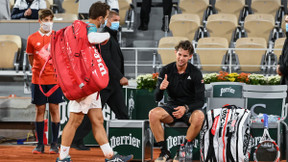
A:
189,151
257,119
273,118
182,152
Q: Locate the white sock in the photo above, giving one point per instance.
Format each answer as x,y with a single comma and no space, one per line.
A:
107,150
64,152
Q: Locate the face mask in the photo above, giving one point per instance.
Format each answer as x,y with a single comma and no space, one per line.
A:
286,27
114,25
103,25
47,26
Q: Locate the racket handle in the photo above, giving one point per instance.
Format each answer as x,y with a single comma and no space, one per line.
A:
265,116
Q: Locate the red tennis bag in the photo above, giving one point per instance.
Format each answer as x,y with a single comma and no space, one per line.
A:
79,66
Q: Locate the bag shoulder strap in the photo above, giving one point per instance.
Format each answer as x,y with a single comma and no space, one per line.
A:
54,88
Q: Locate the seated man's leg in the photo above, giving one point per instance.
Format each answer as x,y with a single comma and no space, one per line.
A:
196,121
157,116
69,130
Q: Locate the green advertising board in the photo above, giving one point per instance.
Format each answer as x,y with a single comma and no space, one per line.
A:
267,106
131,137
139,103
229,91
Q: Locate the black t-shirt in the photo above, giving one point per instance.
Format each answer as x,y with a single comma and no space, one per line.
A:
183,89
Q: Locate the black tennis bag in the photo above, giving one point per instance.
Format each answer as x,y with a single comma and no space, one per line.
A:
225,136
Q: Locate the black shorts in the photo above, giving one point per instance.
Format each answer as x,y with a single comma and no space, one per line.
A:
169,108
38,98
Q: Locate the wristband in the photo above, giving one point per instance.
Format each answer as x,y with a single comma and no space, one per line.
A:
187,108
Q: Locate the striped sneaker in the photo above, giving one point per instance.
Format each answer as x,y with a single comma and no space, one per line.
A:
119,158
39,149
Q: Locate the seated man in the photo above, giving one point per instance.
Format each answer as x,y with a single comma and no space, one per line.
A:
185,88
27,9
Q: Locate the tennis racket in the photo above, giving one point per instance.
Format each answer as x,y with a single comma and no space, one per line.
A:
267,149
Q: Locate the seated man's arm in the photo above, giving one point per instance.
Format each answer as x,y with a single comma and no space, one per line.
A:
199,92
17,14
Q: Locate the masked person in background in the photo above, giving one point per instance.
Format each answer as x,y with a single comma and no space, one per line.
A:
27,9
113,57
282,68
35,43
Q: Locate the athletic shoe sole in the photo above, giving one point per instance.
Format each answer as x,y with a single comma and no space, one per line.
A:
37,152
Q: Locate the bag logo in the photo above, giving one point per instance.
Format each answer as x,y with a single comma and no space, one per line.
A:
100,64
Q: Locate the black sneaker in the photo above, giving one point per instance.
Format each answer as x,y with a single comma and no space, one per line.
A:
119,158
54,149
164,156
38,149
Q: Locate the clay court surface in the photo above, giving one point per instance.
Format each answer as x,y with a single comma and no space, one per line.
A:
21,153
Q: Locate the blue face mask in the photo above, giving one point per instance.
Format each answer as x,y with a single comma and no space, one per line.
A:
103,25
115,25
286,27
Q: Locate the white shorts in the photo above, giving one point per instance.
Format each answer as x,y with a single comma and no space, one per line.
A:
85,105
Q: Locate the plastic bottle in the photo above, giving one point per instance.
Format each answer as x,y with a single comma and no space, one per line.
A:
189,151
182,152
273,118
257,119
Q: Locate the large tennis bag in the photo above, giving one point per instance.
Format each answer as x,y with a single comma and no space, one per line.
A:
79,66
225,136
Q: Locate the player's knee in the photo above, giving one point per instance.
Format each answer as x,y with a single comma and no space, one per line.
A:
99,121
197,118
40,111
76,124
75,121
54,112
153,115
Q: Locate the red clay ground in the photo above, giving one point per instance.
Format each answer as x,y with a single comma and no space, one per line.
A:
21,153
